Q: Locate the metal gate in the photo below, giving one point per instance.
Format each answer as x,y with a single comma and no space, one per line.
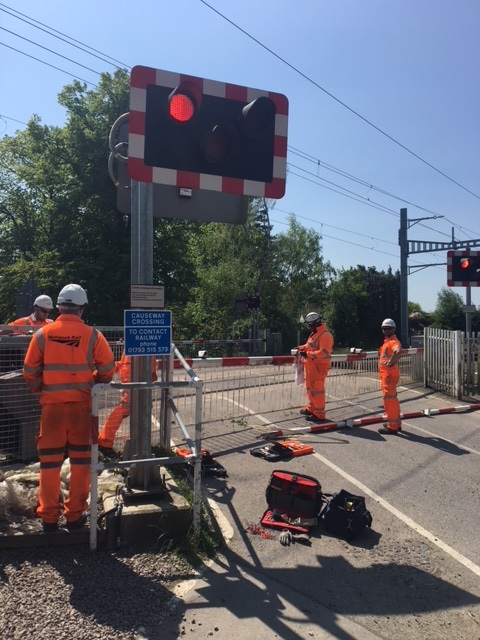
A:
451,362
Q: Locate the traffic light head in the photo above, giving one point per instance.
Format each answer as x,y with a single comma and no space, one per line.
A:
463,268
201,134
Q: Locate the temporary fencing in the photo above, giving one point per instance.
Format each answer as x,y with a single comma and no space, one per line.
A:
235,388
149,399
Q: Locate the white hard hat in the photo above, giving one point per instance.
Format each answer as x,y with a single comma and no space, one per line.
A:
43,301
388,322
72,294
312,317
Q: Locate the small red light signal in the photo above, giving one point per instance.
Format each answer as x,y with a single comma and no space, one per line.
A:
463,268
184,101
182,108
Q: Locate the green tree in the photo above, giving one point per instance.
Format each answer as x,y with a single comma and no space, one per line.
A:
298,279
449,312
358,300
59,221
226,265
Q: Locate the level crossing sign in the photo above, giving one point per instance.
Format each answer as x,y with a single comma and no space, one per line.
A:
147,333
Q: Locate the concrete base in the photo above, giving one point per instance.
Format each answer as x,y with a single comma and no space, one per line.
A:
153,516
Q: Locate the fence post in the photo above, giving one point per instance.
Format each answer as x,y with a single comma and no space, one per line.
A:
197,466
459,360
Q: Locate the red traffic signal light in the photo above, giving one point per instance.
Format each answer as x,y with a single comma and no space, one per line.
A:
182,108
201,134
463,268
184,101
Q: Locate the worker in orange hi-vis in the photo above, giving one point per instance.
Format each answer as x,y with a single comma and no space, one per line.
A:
317,357
39,317
388,357
106,436
64,360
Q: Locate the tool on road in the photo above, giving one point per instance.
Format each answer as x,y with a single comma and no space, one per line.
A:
294,501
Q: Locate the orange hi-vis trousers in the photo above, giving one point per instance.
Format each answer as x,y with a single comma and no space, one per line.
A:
391,405
112,424
315,376
64,426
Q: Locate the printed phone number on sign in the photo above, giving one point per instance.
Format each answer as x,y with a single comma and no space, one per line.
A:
147,349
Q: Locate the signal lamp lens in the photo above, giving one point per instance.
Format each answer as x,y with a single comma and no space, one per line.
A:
465,263
220,142
257,116
182,107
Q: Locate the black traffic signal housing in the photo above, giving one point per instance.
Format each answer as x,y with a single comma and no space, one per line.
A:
253,301
187,130
463,268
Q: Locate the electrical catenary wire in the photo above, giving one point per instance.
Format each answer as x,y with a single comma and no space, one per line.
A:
17,35
343,104
52,32
72,75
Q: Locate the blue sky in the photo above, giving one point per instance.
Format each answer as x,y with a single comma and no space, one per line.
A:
384,103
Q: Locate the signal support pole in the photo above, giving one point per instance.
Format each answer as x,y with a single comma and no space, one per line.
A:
141,273
408,247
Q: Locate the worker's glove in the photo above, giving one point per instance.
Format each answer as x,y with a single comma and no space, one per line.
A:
303,354
285,538
302,538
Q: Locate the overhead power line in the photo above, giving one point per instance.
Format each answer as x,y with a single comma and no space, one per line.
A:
50,50
353,244
343,104
48,64
320,164
66,38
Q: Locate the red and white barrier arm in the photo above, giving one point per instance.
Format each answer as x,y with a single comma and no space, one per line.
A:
364,422
460,409
202,363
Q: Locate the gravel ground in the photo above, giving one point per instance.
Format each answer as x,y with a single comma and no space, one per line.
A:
71,592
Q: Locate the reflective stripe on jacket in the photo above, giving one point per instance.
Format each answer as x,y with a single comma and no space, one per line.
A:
65,359
390,346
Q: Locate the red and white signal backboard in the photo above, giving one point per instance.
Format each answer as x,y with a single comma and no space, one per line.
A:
144,77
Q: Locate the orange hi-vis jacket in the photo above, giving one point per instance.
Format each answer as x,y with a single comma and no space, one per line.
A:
319,346
65,359
390,346
30,321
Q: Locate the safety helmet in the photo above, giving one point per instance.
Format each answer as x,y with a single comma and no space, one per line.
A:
388,322
72,294
313,318
43,301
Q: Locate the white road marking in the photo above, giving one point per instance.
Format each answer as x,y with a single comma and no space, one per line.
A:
428,433
468,564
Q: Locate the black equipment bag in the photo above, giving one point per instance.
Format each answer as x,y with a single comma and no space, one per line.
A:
272,452
346,515
294,501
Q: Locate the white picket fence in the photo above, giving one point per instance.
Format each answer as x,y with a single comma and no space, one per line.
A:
451,362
